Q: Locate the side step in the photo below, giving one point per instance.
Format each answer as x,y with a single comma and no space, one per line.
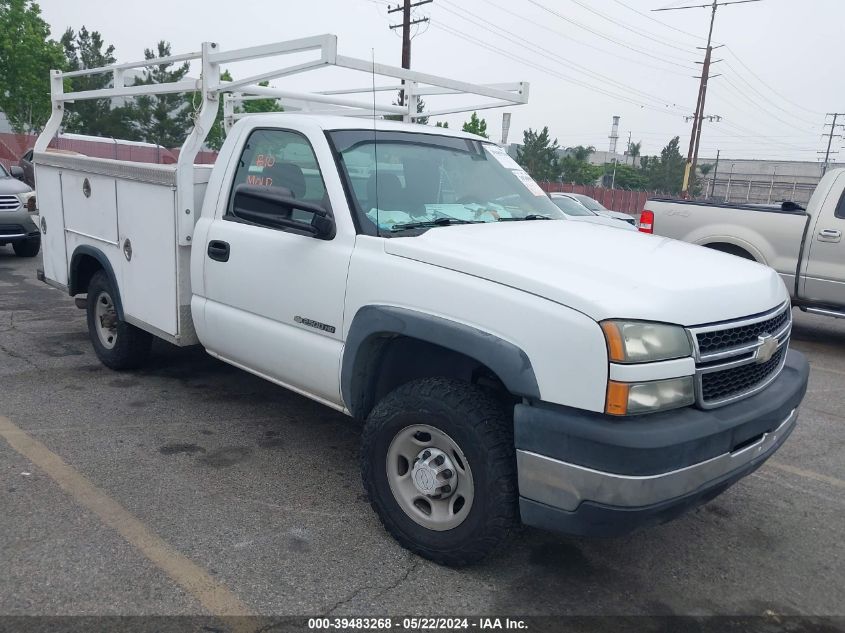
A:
825,312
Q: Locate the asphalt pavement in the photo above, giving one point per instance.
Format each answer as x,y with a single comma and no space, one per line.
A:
190,484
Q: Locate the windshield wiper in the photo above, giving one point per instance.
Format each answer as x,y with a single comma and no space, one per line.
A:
427,224
530,216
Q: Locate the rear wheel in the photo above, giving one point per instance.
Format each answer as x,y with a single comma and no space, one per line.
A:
28,247
117,344
439,467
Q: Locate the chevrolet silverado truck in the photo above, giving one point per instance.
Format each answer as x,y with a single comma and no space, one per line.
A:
507,364
803,245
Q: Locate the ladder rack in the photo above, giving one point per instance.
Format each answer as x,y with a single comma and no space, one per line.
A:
323,49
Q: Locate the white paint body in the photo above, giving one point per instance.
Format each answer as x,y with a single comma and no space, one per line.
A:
541,285
774,238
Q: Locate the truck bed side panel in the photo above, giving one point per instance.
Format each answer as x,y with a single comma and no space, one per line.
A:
90,205
146,216
53,248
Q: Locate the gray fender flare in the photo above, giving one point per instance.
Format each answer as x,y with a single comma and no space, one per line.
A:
371,324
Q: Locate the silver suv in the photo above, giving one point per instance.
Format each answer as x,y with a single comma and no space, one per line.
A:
16,220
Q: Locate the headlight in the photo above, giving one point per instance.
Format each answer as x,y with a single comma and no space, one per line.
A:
643,342
647,397
25,196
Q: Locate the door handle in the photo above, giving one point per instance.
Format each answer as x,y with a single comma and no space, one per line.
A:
218,250
830,235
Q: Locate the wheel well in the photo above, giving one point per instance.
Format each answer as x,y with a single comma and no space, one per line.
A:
83,268
731,249
388,361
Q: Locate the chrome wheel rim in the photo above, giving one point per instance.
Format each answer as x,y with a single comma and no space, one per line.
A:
105,320
426,492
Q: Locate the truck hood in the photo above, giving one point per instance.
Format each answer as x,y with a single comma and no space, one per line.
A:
602,271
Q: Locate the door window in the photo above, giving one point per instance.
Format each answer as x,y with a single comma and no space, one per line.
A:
283,160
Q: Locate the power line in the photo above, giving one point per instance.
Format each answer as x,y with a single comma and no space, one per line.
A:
499,51
652,37
757,77
661,23
610,39
557,33
551,55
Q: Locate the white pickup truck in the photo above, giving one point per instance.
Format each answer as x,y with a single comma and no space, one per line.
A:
507,364
804,245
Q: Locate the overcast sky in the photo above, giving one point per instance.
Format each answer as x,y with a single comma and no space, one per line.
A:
586,60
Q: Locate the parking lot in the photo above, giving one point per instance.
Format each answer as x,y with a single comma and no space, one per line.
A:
191,487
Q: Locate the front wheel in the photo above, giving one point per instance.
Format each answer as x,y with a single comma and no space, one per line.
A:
28,247
438,464
117,344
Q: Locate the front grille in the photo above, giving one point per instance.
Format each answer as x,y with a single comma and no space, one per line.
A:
9,203
718,340
721,385
726,356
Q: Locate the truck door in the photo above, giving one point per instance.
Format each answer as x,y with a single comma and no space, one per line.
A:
275,297
824,280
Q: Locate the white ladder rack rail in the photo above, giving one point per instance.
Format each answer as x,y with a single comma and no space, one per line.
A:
210,86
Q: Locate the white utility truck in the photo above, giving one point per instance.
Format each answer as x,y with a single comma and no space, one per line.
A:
804,245
507,364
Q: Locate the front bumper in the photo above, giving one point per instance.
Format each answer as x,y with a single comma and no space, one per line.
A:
588,473
17,225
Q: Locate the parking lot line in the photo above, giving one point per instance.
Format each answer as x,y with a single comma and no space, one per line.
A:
807,474
212,595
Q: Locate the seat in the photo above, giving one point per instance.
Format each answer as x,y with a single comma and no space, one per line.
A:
288,176
385,191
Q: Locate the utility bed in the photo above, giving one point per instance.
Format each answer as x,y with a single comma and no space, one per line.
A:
129,212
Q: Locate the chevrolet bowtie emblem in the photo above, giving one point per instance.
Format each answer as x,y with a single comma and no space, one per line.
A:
768,345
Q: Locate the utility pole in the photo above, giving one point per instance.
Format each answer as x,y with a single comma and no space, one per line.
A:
406,25
628,149
698,116
715,172
830,137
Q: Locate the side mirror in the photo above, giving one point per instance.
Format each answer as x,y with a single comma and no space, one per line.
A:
16,172
274,207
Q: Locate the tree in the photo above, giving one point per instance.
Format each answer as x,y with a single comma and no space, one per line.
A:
634,151
579,172
476,126
581,153
96,117
576,168
422,120
27,54
666,172
538,155
163,119
217,134
628,177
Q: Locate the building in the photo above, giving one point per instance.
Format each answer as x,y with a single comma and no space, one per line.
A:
761,181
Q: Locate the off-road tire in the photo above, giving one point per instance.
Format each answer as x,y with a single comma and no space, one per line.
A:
483,429
132,345
28,247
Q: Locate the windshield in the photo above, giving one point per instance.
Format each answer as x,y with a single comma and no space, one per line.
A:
407,181
591,203
3,172
570,206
